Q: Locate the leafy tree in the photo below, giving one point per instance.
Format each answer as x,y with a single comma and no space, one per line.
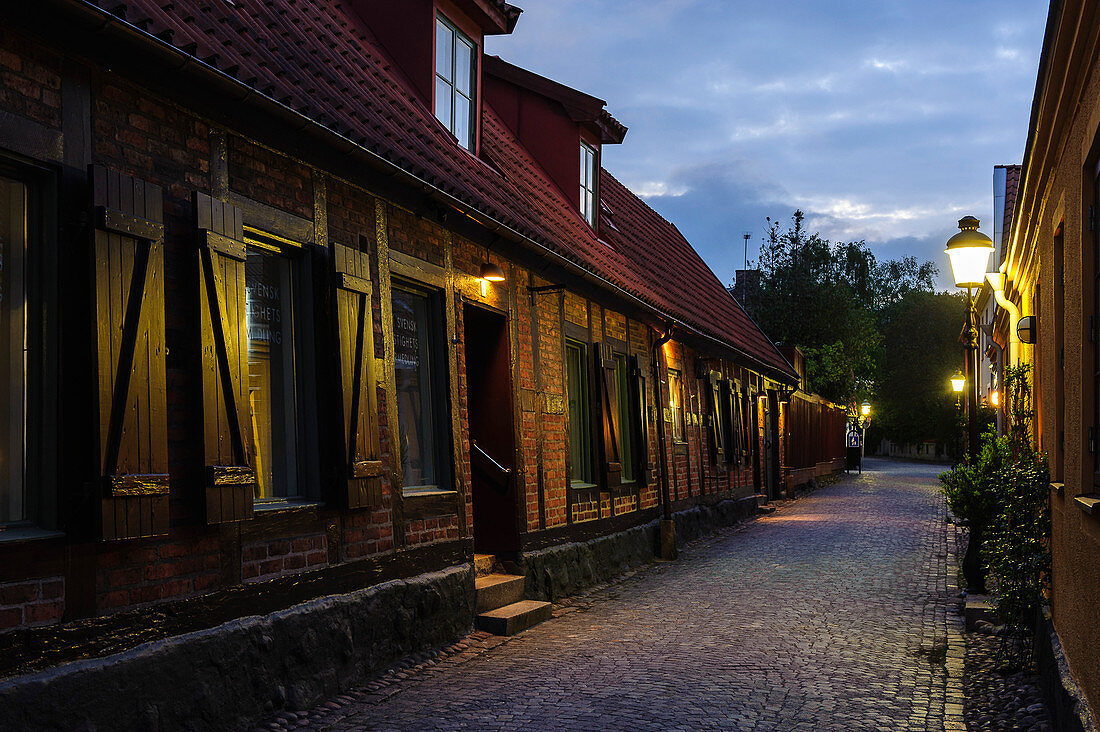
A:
831,300
920,352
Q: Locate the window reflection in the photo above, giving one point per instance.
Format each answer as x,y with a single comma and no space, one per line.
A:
580,442
420,400
676,403
271,378
13,347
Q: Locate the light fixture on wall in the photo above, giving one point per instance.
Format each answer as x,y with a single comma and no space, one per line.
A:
994,399
491,272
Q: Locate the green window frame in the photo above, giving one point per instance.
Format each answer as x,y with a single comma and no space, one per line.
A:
626,419
580,429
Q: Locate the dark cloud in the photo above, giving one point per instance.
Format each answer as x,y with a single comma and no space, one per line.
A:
882,121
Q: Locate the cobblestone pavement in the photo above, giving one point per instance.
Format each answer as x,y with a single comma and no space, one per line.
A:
830,614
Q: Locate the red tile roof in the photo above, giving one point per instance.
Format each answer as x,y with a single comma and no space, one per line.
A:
347,85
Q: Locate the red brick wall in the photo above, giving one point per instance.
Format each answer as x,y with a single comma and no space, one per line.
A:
415,236
32,602
140,572
30,80
268,177
267,559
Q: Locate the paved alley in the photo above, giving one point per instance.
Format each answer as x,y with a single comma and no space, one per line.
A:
830,614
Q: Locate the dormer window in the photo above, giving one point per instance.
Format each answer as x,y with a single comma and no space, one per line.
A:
588,184
454,81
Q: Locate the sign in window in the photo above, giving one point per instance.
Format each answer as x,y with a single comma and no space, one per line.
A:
272,392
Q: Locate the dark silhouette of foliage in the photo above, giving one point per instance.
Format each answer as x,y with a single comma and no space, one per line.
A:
831,300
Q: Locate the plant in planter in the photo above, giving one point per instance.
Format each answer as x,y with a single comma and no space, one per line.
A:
1019,550
973,495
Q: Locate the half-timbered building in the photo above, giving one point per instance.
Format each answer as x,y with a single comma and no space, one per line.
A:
312,313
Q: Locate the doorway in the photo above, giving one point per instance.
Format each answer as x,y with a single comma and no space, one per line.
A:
492,431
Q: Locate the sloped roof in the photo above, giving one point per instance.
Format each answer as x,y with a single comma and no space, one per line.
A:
1012,186
346,84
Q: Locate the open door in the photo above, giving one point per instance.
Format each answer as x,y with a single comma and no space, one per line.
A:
492,431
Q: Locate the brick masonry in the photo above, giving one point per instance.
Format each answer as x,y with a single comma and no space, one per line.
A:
263,560
31,602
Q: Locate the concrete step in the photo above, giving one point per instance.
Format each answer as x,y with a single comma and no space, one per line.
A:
498,590
511,619
483,564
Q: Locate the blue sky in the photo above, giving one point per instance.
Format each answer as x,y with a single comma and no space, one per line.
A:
881,119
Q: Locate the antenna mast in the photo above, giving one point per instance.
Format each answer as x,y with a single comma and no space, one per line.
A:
745,273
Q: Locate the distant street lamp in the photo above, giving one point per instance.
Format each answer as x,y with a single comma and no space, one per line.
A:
958,383
969,252
865,419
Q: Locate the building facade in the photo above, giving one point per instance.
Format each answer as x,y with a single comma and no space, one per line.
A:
312,300
1050,261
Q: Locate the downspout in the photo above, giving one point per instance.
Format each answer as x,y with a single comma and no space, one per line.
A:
668,526
996,281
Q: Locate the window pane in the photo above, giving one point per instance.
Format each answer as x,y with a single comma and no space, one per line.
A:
675,400
271,378
13,345
626,424
417,411
580,455
462,122
444,41
464,65
443,93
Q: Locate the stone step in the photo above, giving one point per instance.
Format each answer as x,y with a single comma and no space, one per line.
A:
483,564
498,590
511,619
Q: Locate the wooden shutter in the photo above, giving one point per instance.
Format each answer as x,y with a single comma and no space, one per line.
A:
646,472
714,419
128,311
229,453
732,406
358,381
610,467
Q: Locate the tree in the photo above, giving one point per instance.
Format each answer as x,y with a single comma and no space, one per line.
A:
920,352
825,298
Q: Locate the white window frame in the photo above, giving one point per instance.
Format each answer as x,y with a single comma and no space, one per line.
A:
589,170
449,86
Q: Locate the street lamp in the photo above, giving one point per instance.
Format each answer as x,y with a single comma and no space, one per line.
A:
969,252
865,414
958,381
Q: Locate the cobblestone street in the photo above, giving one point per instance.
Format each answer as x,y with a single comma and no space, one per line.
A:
830,614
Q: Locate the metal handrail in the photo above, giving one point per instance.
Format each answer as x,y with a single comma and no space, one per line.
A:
487,456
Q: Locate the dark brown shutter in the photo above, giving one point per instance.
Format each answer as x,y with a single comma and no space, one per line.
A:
128,312
714,419
610,467
646,471
229,453
358,385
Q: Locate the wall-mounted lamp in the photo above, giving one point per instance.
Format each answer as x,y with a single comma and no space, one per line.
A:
1026,329
491,273
994,399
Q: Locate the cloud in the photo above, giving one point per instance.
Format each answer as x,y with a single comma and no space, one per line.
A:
882,121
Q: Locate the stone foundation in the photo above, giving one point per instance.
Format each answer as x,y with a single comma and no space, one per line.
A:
566,569
229,676
1064,697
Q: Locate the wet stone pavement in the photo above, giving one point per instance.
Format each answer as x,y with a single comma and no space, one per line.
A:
833,613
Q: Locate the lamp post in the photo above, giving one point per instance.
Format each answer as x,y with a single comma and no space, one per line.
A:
968,252
865,419
958,383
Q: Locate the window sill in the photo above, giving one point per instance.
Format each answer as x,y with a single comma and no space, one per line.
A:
27,533
416,491
1089,503
1058,488
288,506
430,503
579,486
